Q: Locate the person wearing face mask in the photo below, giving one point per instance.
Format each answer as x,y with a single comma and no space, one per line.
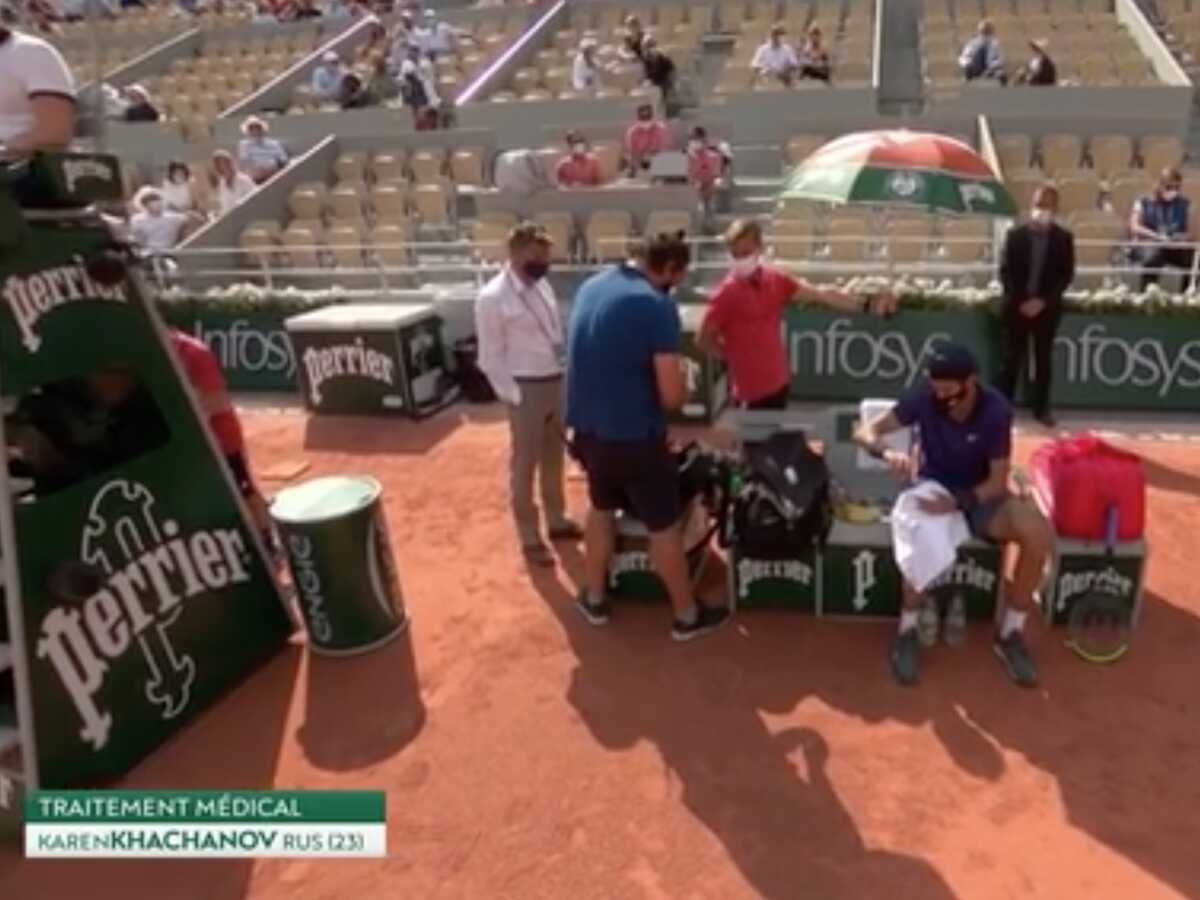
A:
963,432
585,73
1160,223
1037,265
156,228
624,372
744,318
579,168
521,350
645,139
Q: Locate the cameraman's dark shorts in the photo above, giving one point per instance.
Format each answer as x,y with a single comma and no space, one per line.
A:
639,476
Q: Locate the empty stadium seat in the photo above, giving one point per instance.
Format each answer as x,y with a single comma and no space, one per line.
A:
1078,191
346,201
259,244
662,221
345,242
390,244
350,166
561,228
1015,151
965,239
427,166
793,238
848,238
801,146
1111,154
466,166
607,235
432,203
302,242
907,239
1060,152
391,200
1021,184
490,242
307,201
389,166
1160,152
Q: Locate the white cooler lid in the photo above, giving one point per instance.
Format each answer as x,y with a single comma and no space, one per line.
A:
360,317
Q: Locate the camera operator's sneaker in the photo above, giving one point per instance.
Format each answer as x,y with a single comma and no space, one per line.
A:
1017,661
708,619
595,613
906,653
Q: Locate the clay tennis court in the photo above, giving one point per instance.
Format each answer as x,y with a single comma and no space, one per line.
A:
528,755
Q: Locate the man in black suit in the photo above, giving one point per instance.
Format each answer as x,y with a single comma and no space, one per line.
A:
1036,268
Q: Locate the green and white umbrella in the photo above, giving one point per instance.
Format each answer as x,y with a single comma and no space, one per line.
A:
901,168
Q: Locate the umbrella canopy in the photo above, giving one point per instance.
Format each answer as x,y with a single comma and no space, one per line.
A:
901,168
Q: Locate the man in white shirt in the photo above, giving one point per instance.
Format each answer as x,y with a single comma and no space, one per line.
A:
522,351
37,95
259,156
775,59
434,35
327,77
585,75
156,228
981,56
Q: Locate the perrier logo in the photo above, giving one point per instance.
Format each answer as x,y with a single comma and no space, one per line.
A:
354,359
150,569
30,297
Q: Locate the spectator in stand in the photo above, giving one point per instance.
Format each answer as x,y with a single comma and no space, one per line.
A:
660,72
353,94
585,75
229,186
644,139
37,95
633,43
814,58
1160,223
140,108
177,191
155,228
706,167
376,45
383,86
327,76
982,57
435,35
259,156
418,88
301,9
776,59
580,167
402,42
1040,70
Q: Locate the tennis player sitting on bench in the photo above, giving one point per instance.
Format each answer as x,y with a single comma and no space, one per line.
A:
964,437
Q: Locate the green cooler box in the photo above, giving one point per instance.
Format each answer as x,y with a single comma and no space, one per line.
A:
1077,567
368,359
340,558
707,382
792,582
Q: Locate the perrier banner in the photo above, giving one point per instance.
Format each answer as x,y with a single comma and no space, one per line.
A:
144,592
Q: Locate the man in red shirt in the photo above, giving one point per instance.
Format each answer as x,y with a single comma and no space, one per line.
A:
644,139
204,373
580,168
742,324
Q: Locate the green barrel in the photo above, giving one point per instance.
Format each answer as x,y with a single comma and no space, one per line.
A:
341,563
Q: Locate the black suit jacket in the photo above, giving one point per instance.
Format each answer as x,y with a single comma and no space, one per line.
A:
1058,270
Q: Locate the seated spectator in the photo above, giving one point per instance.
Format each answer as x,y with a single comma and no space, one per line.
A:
660,72
229,186
259,156
115,100
644,139
155,228
814,58
435,35
585,75
383,86
633,43
402,42
300,9
707,165
418,89
776,59
1040,70
327,76
353,94
1159,220
580,168
981,57
375,45
177,190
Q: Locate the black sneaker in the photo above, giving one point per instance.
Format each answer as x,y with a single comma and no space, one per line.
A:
708,619
905,655
595,613
1016,659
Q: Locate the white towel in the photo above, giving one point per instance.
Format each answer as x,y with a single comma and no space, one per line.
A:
925,545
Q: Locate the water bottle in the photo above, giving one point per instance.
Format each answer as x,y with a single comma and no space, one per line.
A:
956,621
927,622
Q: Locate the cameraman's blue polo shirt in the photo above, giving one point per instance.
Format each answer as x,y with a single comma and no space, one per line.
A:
619,322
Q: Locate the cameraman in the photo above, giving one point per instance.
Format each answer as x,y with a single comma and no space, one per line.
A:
37,96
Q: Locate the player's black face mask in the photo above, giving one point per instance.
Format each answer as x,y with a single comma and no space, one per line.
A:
945,403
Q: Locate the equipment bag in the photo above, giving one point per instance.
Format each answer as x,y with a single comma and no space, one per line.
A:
1080,478
782,506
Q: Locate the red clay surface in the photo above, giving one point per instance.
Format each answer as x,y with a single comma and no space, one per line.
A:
527,755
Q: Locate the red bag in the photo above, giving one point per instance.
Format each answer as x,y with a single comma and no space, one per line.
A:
1080,478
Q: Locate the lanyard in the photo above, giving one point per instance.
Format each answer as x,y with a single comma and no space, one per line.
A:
546,330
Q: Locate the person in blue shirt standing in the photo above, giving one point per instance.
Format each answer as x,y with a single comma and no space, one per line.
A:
1159,223
964,438
624,374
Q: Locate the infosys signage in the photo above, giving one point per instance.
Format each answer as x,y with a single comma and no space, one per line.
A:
254,351
1113,362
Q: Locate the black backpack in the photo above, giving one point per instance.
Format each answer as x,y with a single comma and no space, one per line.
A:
782,507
